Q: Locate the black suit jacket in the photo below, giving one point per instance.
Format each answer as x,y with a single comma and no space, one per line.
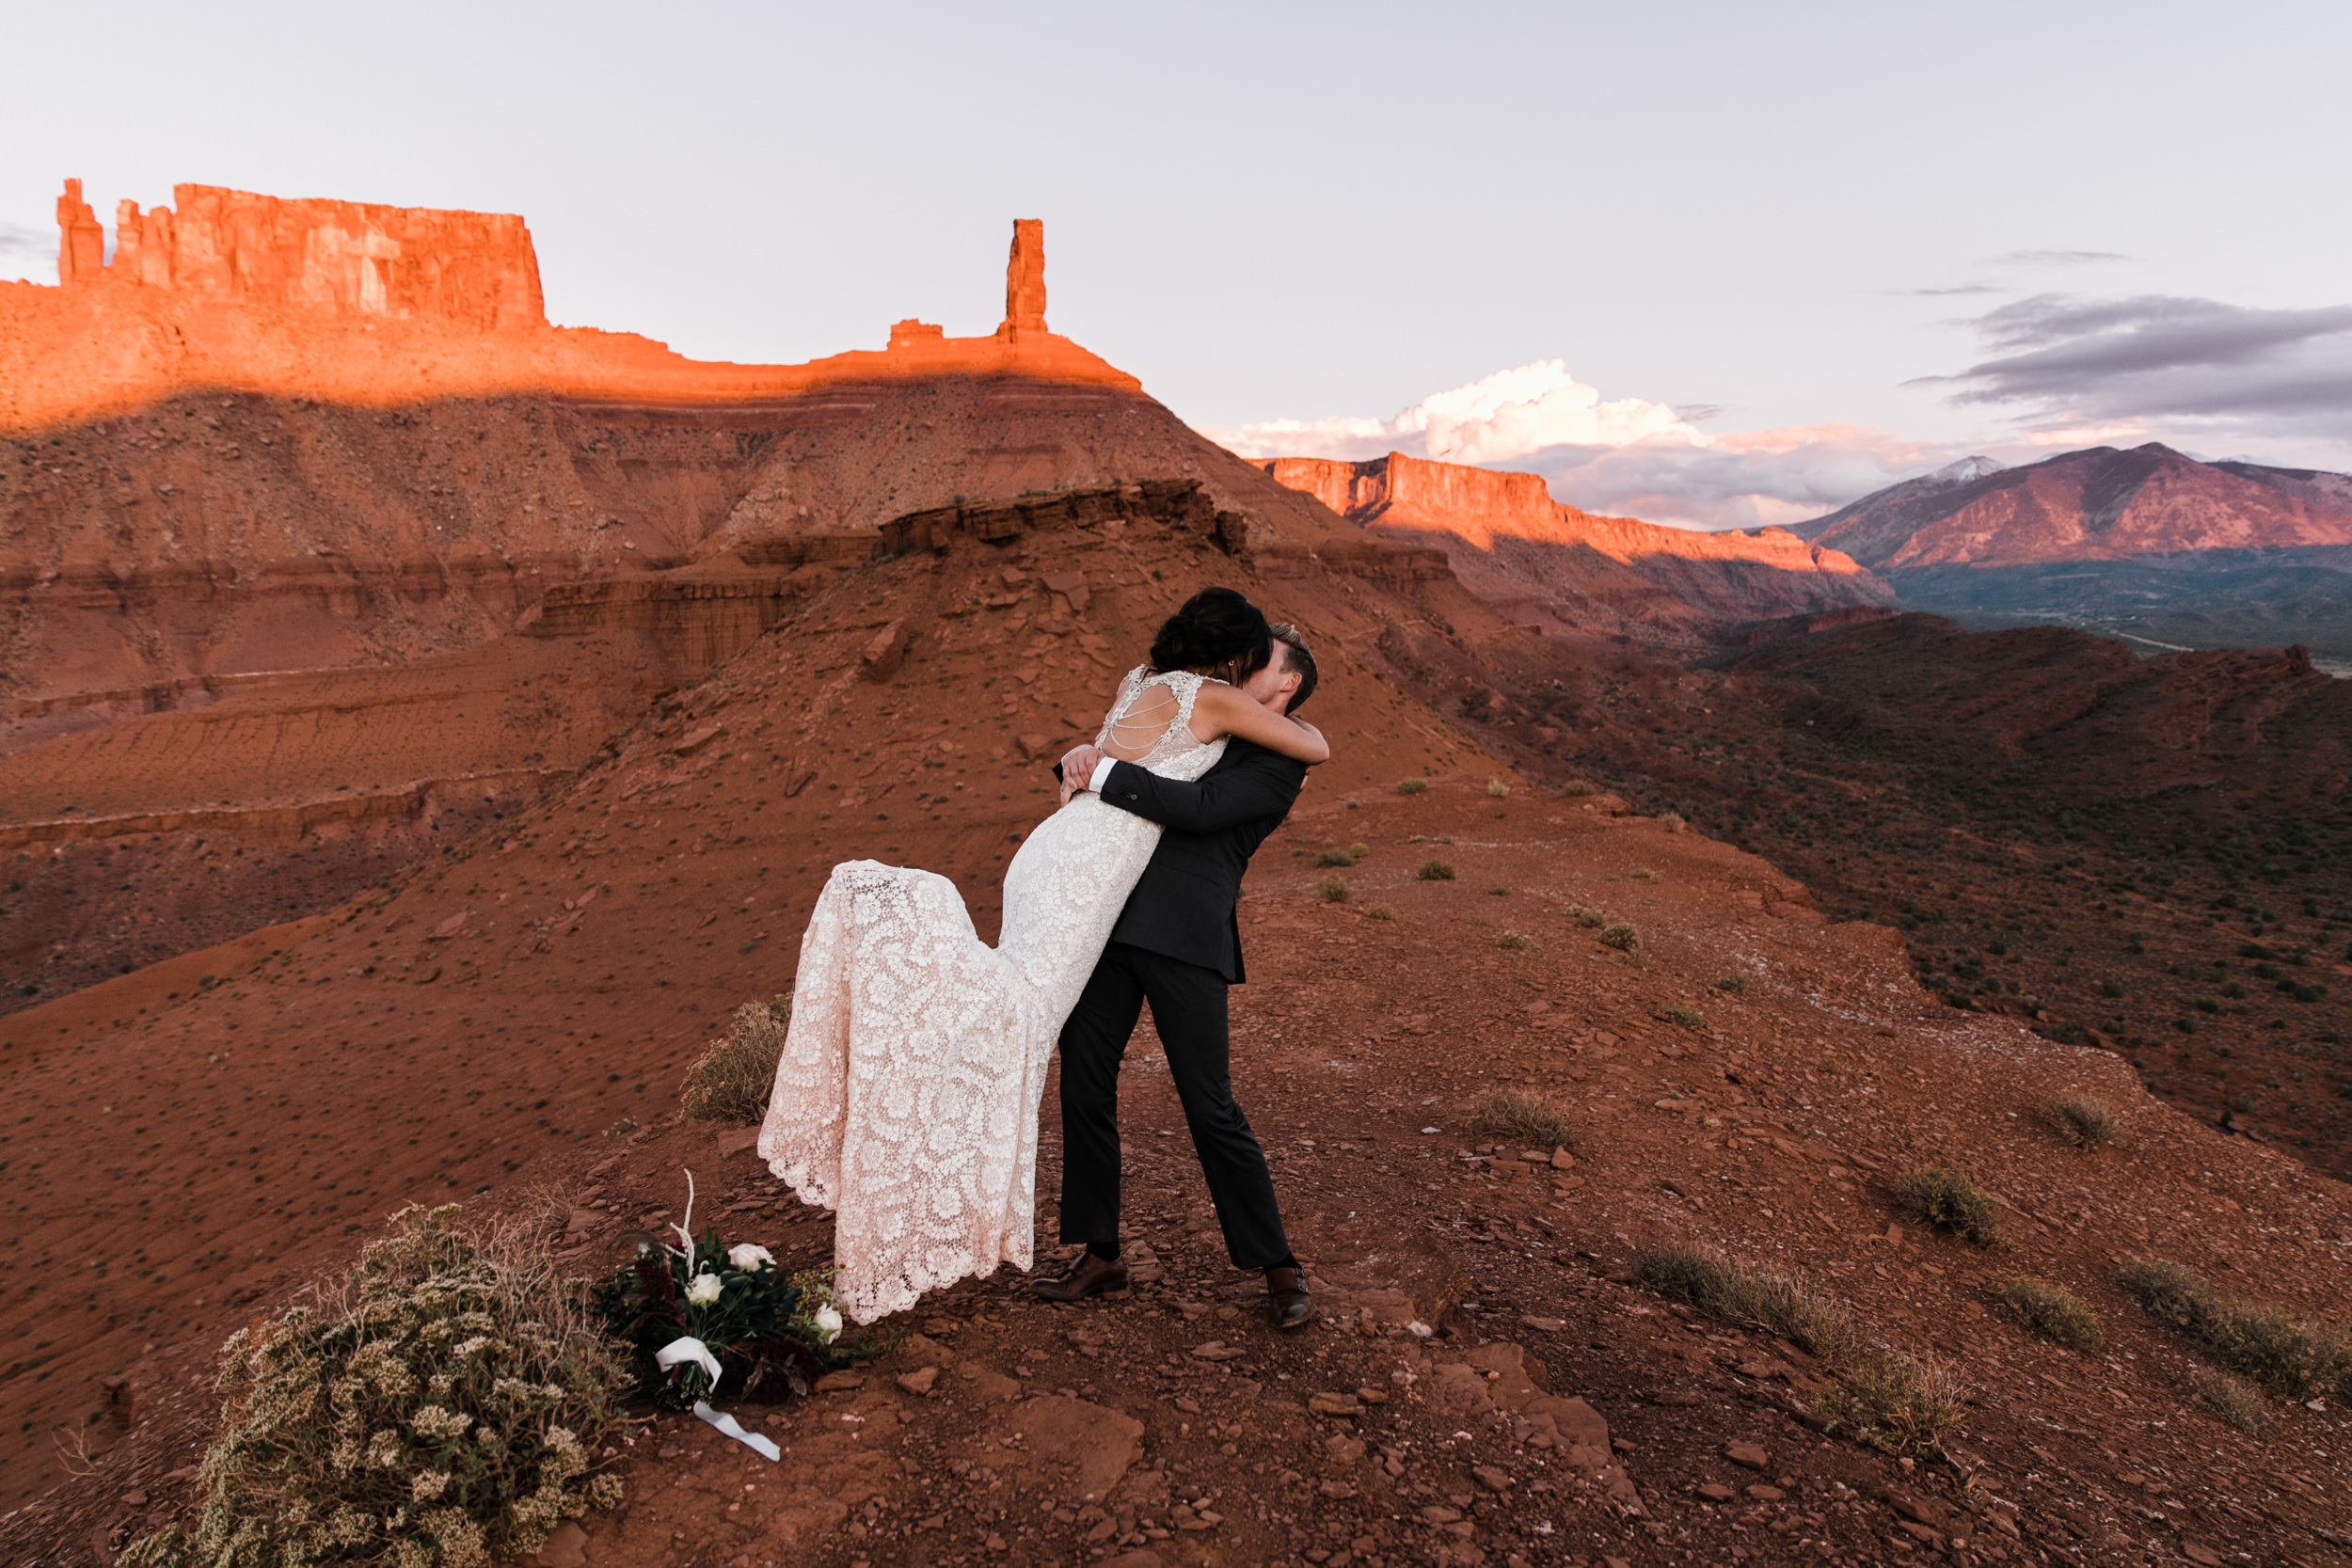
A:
1184,906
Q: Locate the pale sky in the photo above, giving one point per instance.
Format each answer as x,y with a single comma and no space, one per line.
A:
1722,250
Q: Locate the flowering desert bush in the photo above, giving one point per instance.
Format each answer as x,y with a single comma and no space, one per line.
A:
440,1410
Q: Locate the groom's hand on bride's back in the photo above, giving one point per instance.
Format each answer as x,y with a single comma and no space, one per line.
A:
1078,763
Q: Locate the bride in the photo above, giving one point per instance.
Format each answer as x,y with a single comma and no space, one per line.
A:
906,1100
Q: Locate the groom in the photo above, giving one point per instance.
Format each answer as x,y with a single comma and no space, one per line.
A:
1178,946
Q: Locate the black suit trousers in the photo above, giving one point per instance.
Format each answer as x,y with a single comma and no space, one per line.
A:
1188,1009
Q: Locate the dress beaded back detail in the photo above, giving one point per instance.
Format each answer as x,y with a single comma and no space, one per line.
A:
906,1100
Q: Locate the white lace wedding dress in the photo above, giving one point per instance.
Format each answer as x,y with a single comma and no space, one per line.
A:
907,1097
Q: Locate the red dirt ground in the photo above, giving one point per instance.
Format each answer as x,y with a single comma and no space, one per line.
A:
515,1014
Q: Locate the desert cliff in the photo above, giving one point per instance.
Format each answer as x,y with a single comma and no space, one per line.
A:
1576,575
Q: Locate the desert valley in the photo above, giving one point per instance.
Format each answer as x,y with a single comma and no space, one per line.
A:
426,728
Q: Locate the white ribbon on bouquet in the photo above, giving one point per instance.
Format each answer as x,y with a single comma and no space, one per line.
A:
691,1348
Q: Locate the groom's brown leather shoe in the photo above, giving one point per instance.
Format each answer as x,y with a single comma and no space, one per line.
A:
1089,1276
1286,1289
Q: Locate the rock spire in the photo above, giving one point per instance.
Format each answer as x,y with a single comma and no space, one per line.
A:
1024,280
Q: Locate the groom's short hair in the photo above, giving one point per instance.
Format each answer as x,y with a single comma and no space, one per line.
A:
1298,659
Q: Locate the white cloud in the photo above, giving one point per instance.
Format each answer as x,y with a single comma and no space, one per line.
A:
1509,414
1626,456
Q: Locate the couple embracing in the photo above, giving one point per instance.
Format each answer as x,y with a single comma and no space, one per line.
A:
907,1096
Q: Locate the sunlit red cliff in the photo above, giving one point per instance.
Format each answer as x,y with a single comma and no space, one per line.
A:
1576,574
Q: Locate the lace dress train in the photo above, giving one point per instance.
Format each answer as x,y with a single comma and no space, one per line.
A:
906,1100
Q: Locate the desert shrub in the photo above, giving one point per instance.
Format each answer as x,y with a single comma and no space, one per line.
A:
2051,1311
1893,1402
1411,786
442,1406
1735,984
735,1074
1379,911
1671,821
2232,1400
1331,890
1625,939
1434,871
1789,1306
1591,919
1359,850
1882,1399
1575,788
1524,1119
1948,1199
1499,788
1335,856
1514,942
1684,1014
2257,1339
2086,1119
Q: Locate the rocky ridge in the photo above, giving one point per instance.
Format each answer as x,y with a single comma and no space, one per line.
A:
1590,579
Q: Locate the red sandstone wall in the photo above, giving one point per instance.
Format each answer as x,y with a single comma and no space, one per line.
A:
1515,545
377,306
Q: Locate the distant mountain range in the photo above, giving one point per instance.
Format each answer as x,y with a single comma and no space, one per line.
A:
2146,543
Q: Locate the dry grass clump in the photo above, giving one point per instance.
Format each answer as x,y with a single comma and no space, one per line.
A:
1497,787
1948,1199
1335,856
1684,1014
1625,939
2086,1120
1434,871
734,1076
1733,984
1883,1399
2053,1311
1895,1403
442,1407
1379,911
2233,1401
1591,919
1522,1119
2257,1339
1514,942
1411,786
1671,821
1789,1306
1331,890
1575,788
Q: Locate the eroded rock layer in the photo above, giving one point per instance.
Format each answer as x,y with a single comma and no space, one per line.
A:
1579,575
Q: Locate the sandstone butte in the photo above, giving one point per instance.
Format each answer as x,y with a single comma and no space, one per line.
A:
1576,574
375,307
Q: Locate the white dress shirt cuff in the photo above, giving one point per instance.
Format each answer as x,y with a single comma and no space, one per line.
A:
1102,774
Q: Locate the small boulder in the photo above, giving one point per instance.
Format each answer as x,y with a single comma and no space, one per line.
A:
1747,1455
566,1546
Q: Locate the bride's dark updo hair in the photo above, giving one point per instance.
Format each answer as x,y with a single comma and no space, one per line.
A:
1216,633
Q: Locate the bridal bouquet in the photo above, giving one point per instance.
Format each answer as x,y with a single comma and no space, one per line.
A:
707,1314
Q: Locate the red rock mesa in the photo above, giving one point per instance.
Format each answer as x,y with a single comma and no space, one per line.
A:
473,269
1577,574
374,306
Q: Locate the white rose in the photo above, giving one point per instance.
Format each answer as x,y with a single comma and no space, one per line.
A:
704,1290
747,1257
829,1321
